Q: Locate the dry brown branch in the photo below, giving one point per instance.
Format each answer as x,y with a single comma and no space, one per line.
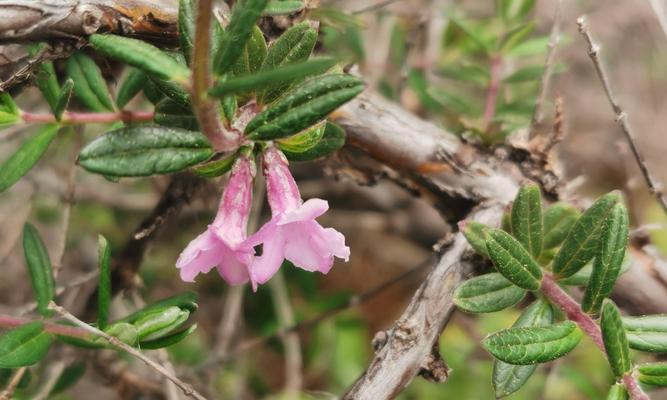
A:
8,393
621,116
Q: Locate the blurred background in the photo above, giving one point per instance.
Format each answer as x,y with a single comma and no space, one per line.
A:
436,58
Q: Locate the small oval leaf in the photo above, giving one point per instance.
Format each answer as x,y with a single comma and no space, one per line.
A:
617,392
22,161
282,7
184,301
531,345
581,242
160,323
615,341
475,234
333,138
216,168
24,346
187,10
170,113
647,333
304,106
167,340
654,374
63,99
512,260
608,260
526,219
558,220
487,293
39,267
89,85
132,84
144,150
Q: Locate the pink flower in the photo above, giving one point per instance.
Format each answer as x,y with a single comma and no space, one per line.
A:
292,233
222,244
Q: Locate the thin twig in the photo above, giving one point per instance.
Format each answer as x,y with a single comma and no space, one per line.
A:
492,91
8,393
185,387
208,114
554,39
621,116
293,359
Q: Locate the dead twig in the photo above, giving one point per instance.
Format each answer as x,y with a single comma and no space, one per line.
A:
621,116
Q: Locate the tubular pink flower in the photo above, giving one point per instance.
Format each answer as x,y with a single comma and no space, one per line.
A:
222,244
292,233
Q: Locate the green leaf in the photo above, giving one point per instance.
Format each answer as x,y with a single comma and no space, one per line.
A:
475,234
608,260
617,392
582,276
306,105
187,10
7,373
9,113
173,91
654,374
104,289
167,341
241,25
422,88
581,242
526,74
508,378
63,99
647,333
184,301
333,138
152,93
530,47
287,73
516,36
24,346
512,260
293,46
527,219
22,161
141,55
487,293
39,267
481,42
69,377
160,323
253,55
303,141
283,7
217,167
470,73
133,83
89,85
512,10
144,150
47,82
558,220
454,102
531,345
123,331
170,113
615,341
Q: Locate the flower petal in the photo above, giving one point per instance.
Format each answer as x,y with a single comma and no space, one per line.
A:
303,251
273,253
200,256
309,210
233,270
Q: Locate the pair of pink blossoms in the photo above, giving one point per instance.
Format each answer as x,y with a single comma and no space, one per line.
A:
292,233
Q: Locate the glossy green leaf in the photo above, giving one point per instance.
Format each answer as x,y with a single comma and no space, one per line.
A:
608,259
170,113
470,73
287,73
283,7
527,219
558,220
647,333
160,323
654,374
144,150
512,260
141,55
532,345
583,275
508,378
24,346
581,242
487,293
217,167
22,161
152,93
333,138
241,25
481,42
89,85
39,267
303,141
475,234
9,113
293,46
69,377
306,105
615,341
132,84
530,47
229,106
172,91
47,82
617,392
187,11
63,99
512,10
516,36
185,301
126,333
169,340
253,55
104,287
